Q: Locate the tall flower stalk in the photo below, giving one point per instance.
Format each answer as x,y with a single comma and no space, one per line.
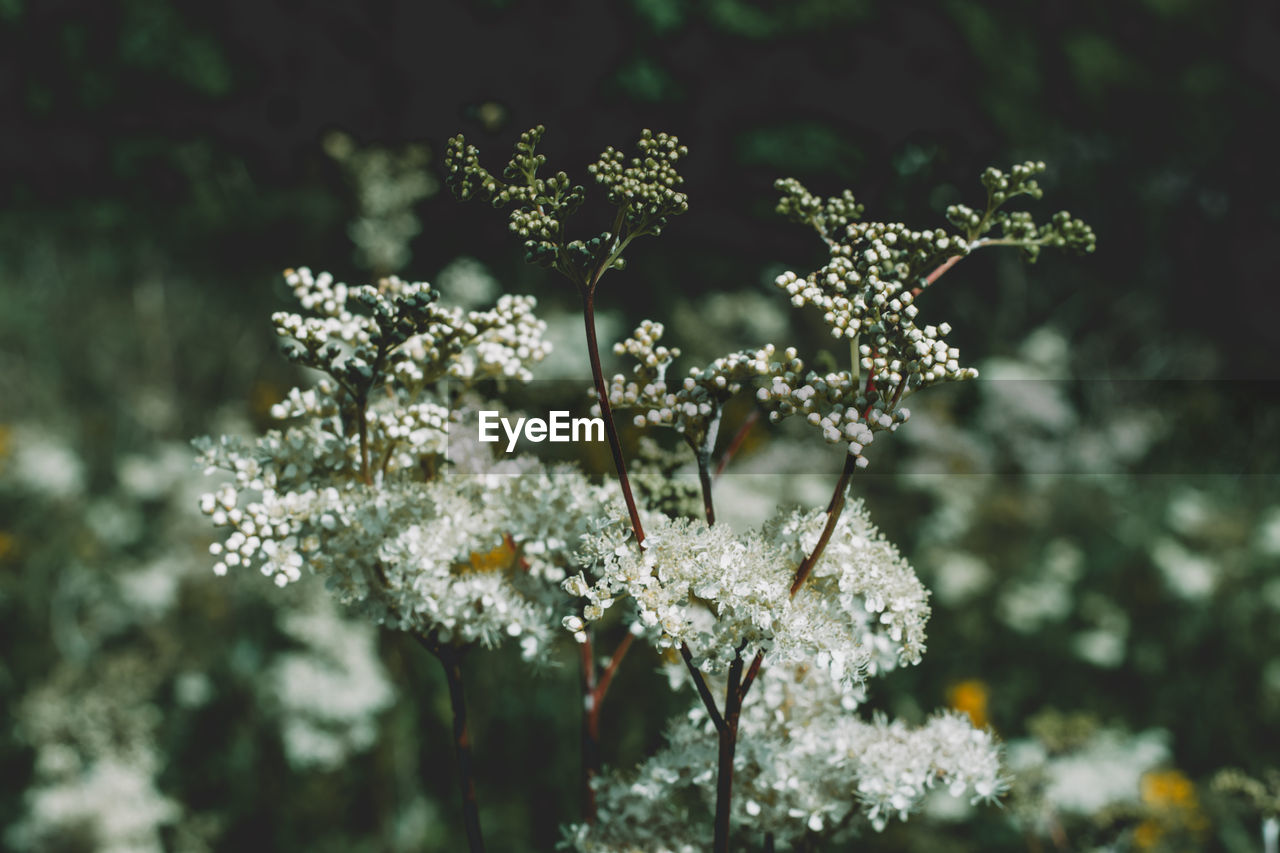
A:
867,293
370,483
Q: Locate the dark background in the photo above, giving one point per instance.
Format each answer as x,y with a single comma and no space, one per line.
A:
176,141
199,125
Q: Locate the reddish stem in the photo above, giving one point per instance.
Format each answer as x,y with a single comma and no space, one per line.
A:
739,437
936,274
606,413
606,678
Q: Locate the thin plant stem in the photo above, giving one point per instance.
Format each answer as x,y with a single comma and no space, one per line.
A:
703,690
606,413
362,430
834,510
704,481
738,438
611,668
451,660
593,694
728,747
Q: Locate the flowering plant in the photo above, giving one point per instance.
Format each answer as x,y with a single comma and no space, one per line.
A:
373,483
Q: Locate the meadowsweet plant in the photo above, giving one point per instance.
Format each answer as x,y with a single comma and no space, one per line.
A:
372,482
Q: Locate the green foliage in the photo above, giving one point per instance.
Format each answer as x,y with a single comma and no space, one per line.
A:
155,37
801,148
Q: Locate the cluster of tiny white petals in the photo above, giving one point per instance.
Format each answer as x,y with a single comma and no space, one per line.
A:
861,589
330,688
808,768
360,486
692,584
693,405
348,330
460,559
721,594
809,763
899,765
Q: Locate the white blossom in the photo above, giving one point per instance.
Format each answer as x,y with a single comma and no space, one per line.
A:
807,767
723,594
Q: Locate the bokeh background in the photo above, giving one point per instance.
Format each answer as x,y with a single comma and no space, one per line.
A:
1099,518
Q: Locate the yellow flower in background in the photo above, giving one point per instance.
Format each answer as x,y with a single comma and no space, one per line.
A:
1168,789
500,559
970,697
1175,810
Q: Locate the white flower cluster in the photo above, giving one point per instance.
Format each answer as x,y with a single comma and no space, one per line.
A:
387,183
693,406
458,559
807,768
720,593
833,403
723,594
360,490
405,332
811,765
861,589
96,760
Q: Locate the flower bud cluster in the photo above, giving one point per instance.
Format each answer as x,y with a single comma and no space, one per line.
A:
405,332
865,293
1017,228
646,187
829,218
356,486
693,406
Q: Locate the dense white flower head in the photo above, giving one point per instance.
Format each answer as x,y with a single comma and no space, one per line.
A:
725,594
362,485
461,558
692,584
807,767
861,588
